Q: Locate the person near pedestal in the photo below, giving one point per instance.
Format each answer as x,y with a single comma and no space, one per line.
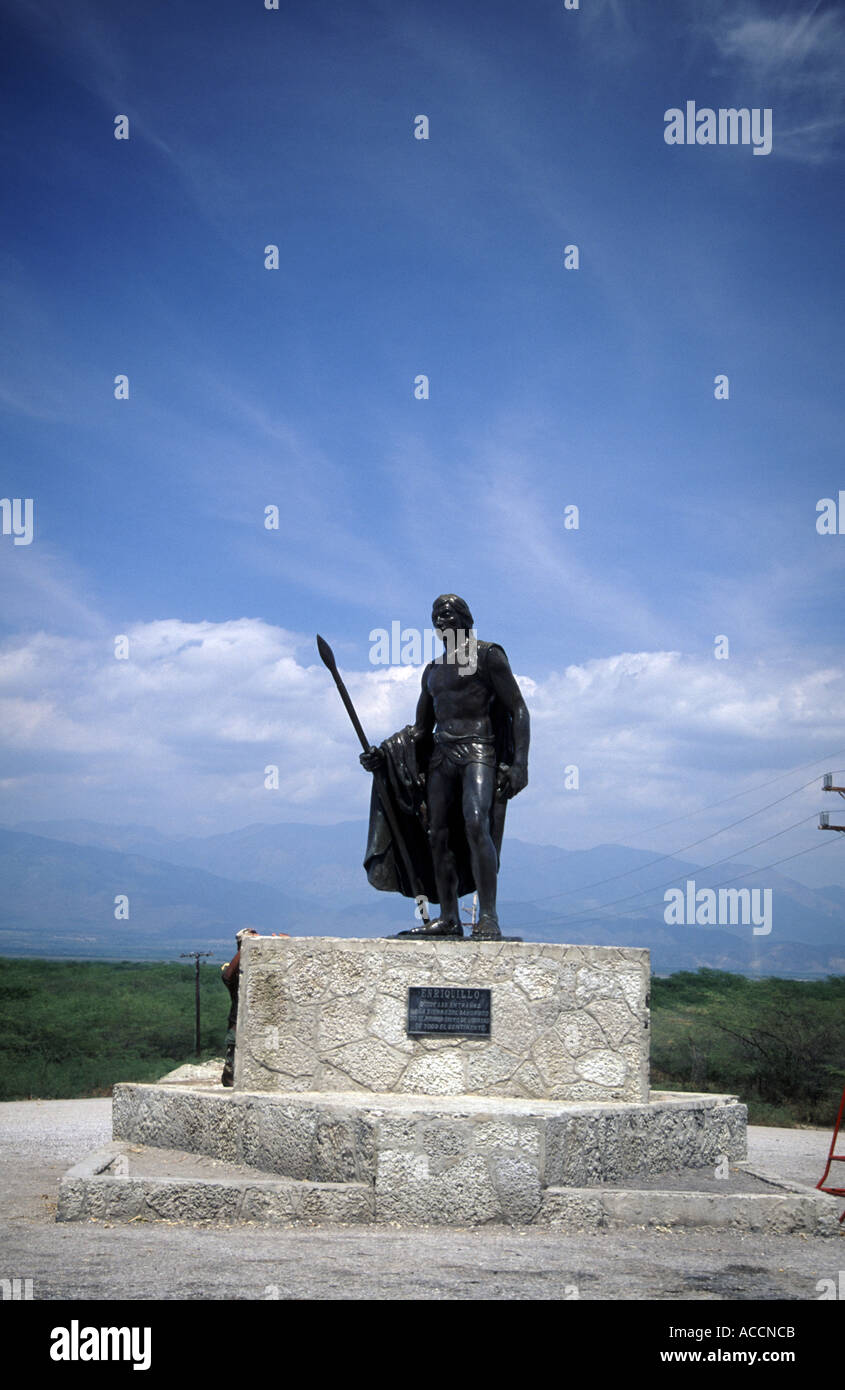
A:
231,976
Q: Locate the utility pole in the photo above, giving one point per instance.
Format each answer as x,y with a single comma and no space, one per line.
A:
824,817
196,956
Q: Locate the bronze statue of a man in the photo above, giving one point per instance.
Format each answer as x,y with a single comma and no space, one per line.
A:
449,776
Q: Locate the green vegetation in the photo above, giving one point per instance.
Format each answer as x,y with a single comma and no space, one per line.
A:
777,1044
74,1028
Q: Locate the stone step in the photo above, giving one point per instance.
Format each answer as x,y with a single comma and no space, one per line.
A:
351,1136
123,1182
131,1182
789,1209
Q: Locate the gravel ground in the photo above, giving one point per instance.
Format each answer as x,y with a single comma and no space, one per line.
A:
39,1140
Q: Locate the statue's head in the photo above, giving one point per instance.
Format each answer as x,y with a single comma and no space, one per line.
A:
451,612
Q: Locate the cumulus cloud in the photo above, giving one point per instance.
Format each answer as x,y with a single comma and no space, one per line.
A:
179,734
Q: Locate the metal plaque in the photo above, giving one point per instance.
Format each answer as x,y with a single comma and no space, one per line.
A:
433,1011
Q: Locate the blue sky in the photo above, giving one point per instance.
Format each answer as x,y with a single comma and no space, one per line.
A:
548,387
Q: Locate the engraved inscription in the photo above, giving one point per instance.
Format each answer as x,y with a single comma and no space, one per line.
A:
446,1010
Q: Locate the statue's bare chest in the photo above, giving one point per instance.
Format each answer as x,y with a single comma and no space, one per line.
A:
456,694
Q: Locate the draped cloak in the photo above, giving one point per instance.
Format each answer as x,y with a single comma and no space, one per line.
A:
404,773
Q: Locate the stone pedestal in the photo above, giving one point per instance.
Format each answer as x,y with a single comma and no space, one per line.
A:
568,1023
340,1113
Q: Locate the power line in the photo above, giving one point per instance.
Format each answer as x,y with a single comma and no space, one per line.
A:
762,869
735,795
785,860
680,850
588,917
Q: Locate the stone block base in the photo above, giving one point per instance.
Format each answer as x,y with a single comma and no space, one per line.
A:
454,1160
321,1014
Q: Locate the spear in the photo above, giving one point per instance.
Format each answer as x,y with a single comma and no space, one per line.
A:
327,657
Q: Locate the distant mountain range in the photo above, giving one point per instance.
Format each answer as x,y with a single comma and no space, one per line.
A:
60,880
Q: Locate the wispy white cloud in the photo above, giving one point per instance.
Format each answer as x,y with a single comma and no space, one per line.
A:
792,49
111,62
795,63
539,554
38,582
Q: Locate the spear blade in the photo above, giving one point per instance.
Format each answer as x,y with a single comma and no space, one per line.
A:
328,659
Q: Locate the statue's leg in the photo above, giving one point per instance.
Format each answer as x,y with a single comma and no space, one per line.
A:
479,786
443,786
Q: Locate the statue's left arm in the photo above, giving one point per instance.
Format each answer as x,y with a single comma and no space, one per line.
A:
512,778
424,717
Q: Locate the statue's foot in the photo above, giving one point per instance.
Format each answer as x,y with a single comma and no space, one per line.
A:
487,928
438,928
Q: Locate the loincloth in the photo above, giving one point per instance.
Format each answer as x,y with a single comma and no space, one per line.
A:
458,751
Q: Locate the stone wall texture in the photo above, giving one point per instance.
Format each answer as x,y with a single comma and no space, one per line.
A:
322,1014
